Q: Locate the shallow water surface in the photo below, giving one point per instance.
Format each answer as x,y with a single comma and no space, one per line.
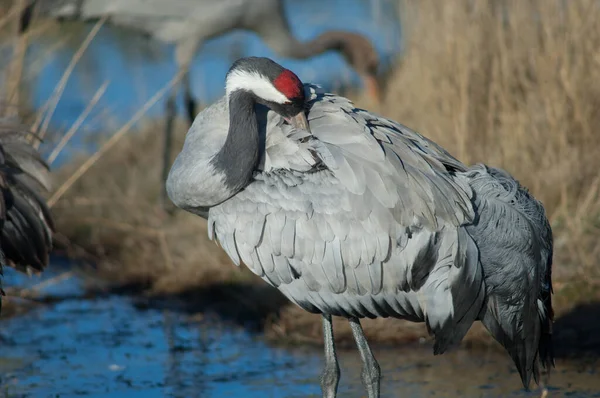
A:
107,347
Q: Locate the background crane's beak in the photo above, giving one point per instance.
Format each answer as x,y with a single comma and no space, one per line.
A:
372,88
299,121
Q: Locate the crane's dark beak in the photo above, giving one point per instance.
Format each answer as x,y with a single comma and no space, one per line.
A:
299,121
372,88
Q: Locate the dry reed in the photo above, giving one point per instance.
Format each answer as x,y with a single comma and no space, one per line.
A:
513,84
73,129
50,105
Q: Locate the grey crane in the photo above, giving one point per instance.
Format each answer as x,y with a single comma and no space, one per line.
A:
354,215
188,23
26,225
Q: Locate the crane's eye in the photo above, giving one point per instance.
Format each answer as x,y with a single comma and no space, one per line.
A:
287,103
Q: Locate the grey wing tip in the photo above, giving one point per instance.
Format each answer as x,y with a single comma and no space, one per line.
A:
503,319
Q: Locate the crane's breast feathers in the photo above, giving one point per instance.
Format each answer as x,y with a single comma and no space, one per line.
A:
315,240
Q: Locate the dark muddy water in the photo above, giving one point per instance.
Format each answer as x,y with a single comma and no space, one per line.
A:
106,347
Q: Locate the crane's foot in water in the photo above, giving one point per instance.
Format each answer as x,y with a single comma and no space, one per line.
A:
371,373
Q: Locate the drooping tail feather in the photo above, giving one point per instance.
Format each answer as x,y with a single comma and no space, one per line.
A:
26,225
515,243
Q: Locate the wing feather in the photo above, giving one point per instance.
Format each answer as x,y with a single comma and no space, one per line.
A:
333,267
288,237
276,223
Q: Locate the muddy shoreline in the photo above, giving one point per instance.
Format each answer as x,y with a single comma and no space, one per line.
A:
259,308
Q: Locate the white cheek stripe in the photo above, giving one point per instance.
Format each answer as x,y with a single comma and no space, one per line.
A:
254,82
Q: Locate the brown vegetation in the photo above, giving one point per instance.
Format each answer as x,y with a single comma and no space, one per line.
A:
514,84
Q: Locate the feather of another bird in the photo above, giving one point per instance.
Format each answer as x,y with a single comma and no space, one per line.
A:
26,225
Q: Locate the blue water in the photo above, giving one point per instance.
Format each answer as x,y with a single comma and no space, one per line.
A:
105,346
108,347
134,76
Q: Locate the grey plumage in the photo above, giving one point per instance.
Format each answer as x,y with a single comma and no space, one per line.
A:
515,243
363,217
26,225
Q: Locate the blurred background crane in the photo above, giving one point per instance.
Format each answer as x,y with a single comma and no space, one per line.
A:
189,23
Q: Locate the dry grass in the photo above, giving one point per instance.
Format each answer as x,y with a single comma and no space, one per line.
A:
514,84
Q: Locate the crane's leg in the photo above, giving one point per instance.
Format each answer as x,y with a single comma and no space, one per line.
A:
190,101
184,53
371,374
330,377
171,111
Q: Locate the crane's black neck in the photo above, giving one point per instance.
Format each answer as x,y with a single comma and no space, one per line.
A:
239,156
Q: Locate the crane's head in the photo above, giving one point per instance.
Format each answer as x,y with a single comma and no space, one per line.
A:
271,85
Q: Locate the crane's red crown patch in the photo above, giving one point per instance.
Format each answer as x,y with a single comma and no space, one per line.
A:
288,84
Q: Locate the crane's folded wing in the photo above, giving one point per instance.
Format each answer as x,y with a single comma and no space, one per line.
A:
374,159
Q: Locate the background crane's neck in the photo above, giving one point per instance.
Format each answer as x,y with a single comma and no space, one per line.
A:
239,156
277,34
287,45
